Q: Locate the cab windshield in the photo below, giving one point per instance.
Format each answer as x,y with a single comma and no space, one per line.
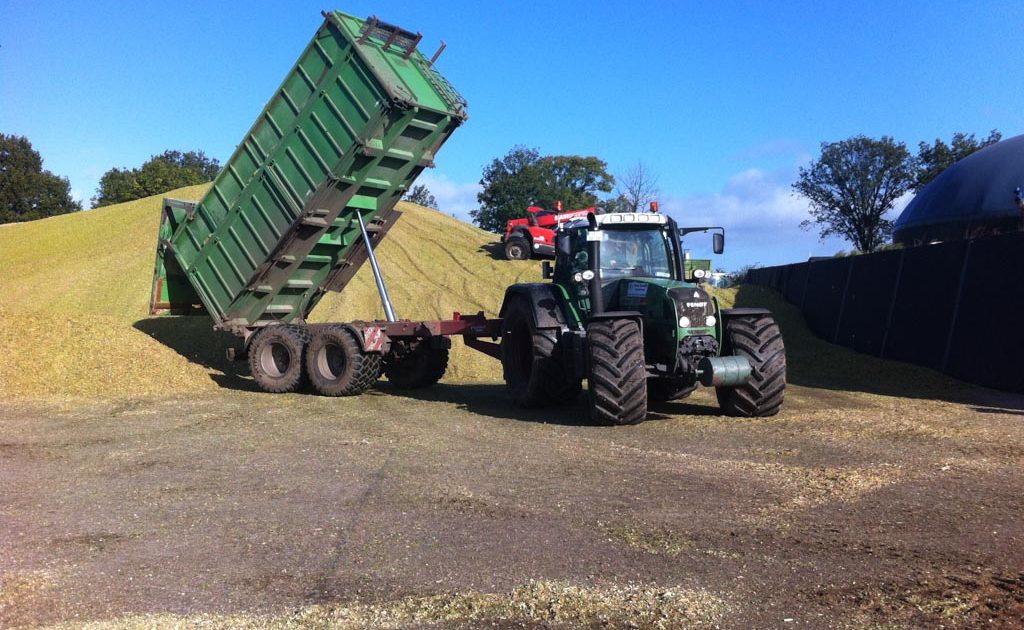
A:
637,253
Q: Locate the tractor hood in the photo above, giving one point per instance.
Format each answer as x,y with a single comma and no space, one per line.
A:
687,305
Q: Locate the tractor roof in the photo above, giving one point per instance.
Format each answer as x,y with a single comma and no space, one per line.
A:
619,219
631,217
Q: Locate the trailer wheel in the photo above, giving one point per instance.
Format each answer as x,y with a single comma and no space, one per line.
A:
617,377
337,365
757,338
665,389
534,372
421,366
517,248
275,358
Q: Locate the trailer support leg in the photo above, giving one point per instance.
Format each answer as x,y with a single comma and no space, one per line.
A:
385,300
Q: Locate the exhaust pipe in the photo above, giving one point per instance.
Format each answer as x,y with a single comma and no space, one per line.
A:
594,254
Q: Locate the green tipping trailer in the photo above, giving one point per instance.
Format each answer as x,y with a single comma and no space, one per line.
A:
358,117
299,207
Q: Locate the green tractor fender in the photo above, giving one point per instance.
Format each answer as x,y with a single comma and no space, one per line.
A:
743,312
547,305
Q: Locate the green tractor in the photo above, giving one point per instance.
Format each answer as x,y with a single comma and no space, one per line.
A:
621,314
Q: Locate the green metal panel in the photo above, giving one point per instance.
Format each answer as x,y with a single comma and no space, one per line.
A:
692,264
351,127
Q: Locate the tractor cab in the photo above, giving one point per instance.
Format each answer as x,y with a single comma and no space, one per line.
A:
616,255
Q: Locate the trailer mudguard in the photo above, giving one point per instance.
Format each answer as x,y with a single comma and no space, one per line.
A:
548,309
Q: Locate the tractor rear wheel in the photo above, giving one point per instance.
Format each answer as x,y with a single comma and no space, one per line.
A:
665,389
617,377
517,248
418,367
534,372
275,358
337,365
756,337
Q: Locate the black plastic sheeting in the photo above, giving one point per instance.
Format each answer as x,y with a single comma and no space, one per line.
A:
956,307
797,285
924,305
827,284
988,339
868,301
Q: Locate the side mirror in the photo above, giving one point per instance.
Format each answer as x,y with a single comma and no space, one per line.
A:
562,244
546,270
718,240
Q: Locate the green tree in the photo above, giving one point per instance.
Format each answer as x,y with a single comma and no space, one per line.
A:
421,196
27,191
932,159
167,171
523,177
851,187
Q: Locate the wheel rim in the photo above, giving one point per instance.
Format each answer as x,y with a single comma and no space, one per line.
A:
275,359
331,361
515,251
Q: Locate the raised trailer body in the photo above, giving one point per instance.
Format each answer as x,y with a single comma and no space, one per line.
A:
358,117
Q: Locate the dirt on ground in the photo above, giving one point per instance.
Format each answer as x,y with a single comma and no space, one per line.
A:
454,508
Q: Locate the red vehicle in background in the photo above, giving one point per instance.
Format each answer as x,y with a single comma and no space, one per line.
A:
534,235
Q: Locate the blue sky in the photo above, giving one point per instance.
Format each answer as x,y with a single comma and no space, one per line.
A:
721,101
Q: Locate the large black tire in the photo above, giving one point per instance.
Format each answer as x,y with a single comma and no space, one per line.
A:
422,366
534,372
517,248
757,338
276,354
617,377
337,365
665,389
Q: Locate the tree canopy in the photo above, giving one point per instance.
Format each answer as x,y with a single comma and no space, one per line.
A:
852,185
932,159
167,171
27,191
637,188
421,196
523,177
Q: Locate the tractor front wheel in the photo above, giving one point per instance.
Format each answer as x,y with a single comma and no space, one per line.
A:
337,365
517,248
417,367
617,377
534,372
275,358
756,337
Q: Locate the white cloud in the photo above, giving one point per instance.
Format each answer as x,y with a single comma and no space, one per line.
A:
750,199
452,197
762,218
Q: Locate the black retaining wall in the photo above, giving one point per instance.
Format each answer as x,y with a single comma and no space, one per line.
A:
956,307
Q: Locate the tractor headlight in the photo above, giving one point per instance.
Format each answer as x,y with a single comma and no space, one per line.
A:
588,275
578,277
684,322
711,321
698,273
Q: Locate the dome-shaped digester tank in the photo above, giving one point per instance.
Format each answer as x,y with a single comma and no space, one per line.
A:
980,194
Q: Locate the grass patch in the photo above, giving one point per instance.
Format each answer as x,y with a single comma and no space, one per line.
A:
539,602
658,540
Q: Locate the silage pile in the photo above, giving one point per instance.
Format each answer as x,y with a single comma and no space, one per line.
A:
74,294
